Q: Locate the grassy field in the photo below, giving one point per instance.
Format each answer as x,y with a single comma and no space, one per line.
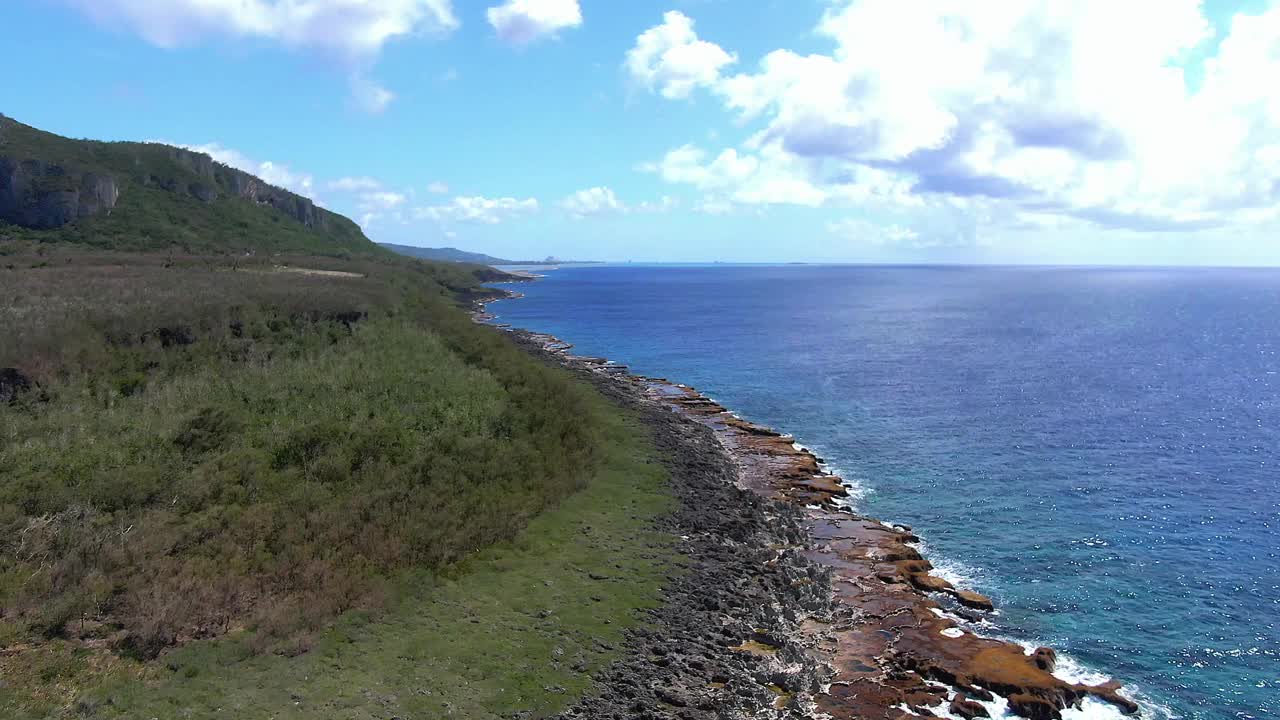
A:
518,627
299,487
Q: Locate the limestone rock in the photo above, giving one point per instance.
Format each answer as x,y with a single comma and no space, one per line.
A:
41,195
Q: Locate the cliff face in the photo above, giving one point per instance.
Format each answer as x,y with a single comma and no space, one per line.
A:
42,195
244,185
78,179
215,180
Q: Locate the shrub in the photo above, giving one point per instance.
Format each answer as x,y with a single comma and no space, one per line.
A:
220,448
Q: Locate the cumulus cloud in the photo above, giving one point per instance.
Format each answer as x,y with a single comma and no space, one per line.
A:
373,201
690,165
351,28
438,188
672,60
274,173
354,184
352,31
381,200
768,175
489,211
593,201
1079,110
521,22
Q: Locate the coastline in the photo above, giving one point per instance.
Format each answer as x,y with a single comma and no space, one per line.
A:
885,639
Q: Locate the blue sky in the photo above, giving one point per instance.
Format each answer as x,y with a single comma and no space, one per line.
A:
695,130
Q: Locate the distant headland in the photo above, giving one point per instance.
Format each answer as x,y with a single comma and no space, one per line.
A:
449,254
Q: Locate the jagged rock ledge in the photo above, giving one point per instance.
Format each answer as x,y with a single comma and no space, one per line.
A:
882,641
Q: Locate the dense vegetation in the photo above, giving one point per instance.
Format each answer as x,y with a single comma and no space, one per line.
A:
198,447
516,630
252,461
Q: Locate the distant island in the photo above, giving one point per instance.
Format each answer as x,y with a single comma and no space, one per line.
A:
449,254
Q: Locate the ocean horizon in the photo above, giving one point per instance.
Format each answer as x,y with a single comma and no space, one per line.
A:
922,265
1090,445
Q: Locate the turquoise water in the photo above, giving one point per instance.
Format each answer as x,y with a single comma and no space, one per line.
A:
1095,448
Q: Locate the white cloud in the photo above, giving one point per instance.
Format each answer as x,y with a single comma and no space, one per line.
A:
354,184
355,29
593,201
670,59
520,22
688,164
438,188
490,211
370,96
1072,110
768,175
372,200
272,172
666,203
381,200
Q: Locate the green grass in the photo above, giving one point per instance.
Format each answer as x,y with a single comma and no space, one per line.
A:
233,483
501,632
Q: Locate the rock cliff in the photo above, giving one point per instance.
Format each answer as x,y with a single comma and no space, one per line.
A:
45,188
43,195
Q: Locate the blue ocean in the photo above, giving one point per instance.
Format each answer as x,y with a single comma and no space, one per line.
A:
1098,449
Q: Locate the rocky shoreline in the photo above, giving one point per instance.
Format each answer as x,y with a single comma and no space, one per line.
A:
790,605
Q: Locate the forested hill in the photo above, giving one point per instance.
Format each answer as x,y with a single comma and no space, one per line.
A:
148,196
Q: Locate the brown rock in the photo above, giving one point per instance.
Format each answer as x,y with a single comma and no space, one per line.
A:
881,659
1045,659
929,583
895,551
1110,691
915,567
1034,707
975,600
966,708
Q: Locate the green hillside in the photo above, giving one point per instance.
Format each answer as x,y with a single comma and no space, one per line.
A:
449,255
168,199
298,482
